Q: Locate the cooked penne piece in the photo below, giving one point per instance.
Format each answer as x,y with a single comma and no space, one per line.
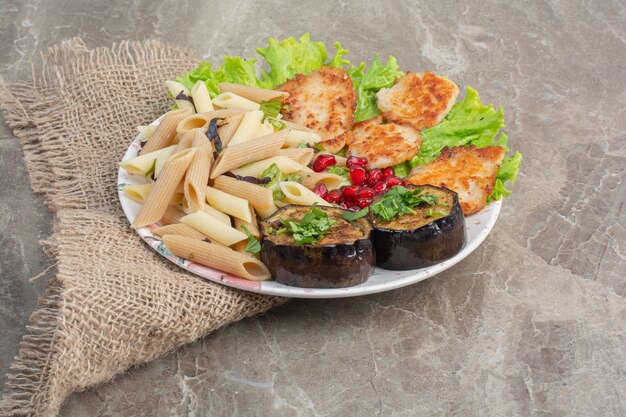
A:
191,122
164,188
177,199
137,192
248,127
218,257
213,228
223,217
228,203
265,129
295,137
165,132
146,131
331,181
258,197
227,130
222,113
251,226
296,126
198,172
235,156
255,169
255,94
172,215
181,95
160,161
281,204
201,97
296,193
230,100
179,229
265,213
140,165
302,156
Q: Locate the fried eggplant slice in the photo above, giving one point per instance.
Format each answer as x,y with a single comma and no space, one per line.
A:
419,99
323,100
467,170
384,144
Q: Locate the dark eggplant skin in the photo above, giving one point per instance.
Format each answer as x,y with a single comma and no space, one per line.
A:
424,246
318,266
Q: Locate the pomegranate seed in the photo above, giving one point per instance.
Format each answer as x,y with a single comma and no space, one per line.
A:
364,202
379,188
373,176
393,180
324,161
321,190
349,192
343,206
333,196
355,160
364,192
357,175
388,172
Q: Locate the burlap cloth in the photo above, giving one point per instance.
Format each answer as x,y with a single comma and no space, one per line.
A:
114,302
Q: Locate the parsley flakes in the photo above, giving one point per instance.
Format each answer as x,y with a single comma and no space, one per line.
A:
400,200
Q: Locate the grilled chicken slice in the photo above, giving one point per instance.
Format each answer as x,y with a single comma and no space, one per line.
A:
337,143
384,144
468,170
324,101
419,99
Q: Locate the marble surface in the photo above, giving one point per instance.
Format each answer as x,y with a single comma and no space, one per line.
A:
533,323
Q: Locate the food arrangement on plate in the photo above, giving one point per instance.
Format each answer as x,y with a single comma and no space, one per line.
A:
317,171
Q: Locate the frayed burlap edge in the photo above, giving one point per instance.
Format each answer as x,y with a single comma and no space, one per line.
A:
30,384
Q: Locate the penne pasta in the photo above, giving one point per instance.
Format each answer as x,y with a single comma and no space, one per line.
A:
213,228
223,217
227,130
164,188
197,176
191,122
228,203
222,113
230,100
235,156
295,137
302,156
165,132
251,226
331,181
265,129
201,97
137,192
255,169
178,198
179,229
218,257
141,165
248,127
296,193
259,197
160,161
146,131
181,95
296,126
172,215
255,94
265,213
281,204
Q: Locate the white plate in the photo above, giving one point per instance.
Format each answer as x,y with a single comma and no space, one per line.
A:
478,227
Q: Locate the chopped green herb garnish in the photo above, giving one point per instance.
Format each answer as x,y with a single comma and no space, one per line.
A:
310,229
276,176
190,257
270,230
342,152
302,144
437,213
319,147
355,215
271,108
152,169
400,200
278,125
253,247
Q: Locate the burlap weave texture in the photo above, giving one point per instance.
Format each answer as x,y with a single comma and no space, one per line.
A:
114,302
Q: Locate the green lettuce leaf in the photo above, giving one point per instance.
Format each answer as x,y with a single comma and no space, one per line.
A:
234,70
507,172
368,82
468,123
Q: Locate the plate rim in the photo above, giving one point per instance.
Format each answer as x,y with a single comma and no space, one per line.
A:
298,292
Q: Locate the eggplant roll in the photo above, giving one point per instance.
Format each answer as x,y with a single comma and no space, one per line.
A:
342,258
431,235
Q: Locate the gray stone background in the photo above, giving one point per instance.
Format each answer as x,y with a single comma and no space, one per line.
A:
532,323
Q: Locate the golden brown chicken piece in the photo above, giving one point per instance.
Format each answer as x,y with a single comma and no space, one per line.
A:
323,100
468,170
384,144
419,99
